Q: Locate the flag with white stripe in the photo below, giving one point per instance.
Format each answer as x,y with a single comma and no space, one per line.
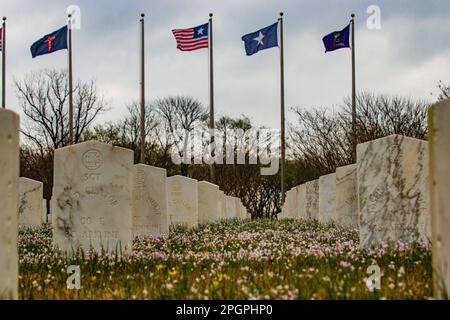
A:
192,38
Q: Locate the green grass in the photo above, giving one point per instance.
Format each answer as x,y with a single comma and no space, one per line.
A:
232,259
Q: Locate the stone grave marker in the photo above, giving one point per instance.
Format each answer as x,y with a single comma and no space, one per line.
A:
92,197
9,187
439,152
182,200
30,203
327,197
208,197
312,199
392,179
347,197
149,201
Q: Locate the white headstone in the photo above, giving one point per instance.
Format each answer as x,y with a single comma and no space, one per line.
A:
393,190
289,209
208,197
92,197
44,211
347,197
30,202
439,137
9,187
230,206
312,199
327,196
301,201
149,201
222,206
182,200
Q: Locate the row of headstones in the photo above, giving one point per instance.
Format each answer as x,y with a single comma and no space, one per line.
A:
391,195
100,200
186,201
384,195
106,202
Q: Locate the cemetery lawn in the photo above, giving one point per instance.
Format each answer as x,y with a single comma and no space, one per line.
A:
233,259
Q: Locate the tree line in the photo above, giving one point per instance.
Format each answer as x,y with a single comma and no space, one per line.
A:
318,141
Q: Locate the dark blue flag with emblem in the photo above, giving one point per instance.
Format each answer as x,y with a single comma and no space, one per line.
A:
50,43
337,39
264,38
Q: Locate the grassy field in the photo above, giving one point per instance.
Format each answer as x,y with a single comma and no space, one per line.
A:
232,259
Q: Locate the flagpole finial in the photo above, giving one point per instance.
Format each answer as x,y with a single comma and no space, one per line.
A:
210,14
281,13
142,15
352,15
4,18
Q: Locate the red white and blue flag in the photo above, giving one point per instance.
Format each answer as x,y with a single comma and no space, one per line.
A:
192,38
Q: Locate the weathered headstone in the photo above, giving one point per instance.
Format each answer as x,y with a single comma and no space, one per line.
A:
208,197
289,210
393,190
149,201
222,206
92,197
30,202
243,211
439,138
347,197
312,199
327,196
9,187
182,200
44,211
301,201
230,207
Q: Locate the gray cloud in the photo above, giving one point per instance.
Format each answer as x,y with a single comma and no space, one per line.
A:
407,56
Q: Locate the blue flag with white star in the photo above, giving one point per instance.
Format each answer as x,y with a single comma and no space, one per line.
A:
264,38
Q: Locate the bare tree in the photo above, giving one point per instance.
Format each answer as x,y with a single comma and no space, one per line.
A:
444,90
179,115
43,97
321,140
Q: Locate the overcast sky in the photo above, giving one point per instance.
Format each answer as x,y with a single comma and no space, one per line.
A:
407,56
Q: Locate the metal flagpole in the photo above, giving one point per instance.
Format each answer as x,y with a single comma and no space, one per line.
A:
142,158
211,95
283,145
3,62
70,82
354,140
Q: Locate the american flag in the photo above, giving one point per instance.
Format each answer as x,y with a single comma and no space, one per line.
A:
192,38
